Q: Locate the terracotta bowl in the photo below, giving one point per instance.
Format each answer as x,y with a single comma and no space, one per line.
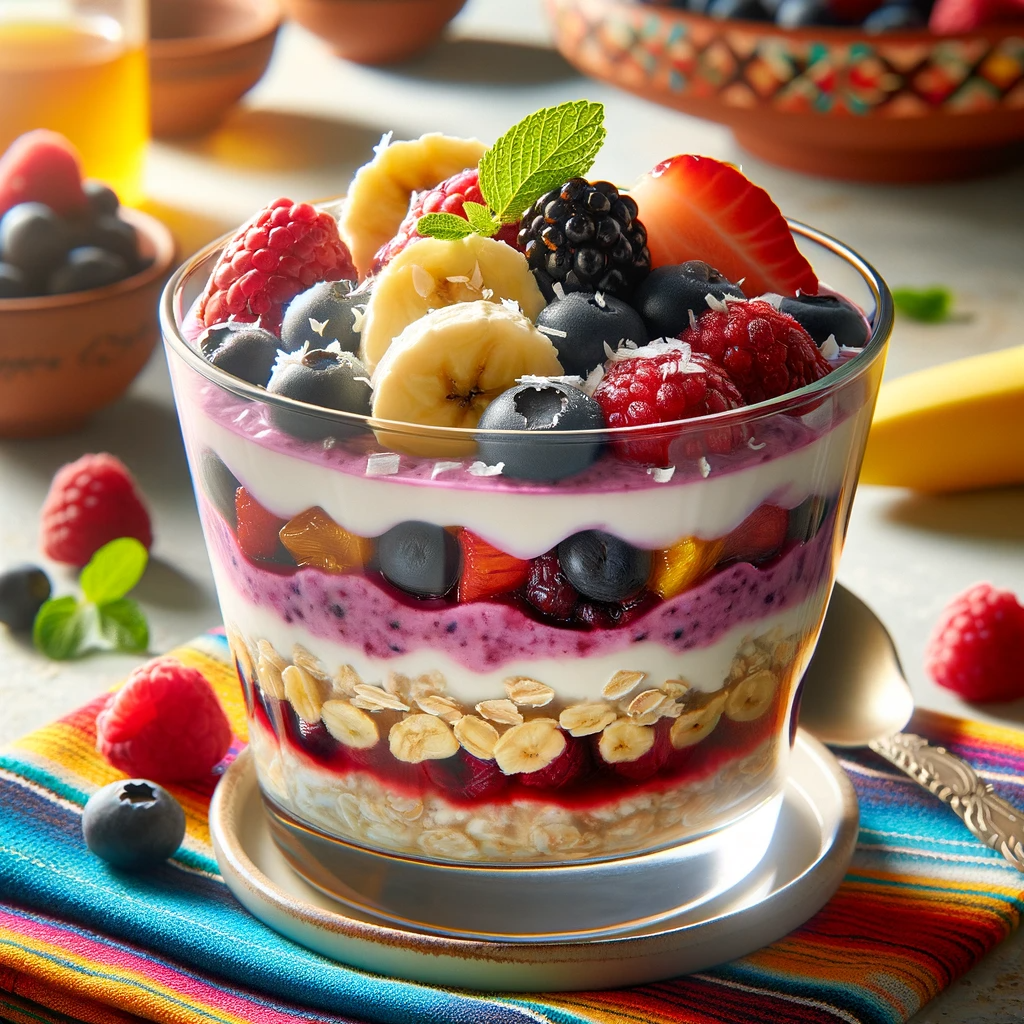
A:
375,31
204,55
63,357
903,106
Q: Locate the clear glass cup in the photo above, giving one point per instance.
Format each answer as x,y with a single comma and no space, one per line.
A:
486,729
79,68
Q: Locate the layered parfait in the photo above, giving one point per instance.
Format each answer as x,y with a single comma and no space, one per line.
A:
523,492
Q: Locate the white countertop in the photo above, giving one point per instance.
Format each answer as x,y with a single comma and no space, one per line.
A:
312,121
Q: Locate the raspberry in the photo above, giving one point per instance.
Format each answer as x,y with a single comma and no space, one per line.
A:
571,765
286,248
42,167
766,353
258,529
548,590
90,502
466,776
976,646
165,723
661,383
448,197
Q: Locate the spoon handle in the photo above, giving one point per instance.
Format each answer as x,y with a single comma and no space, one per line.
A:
995,822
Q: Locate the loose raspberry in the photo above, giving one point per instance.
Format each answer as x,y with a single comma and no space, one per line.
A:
954,17
258,530
90,502
571,765
487,571
165,724
976,646
42,167
450,196
285,249
766,353
466,776
661,383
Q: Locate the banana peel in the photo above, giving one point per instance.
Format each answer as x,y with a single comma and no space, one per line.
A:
953,427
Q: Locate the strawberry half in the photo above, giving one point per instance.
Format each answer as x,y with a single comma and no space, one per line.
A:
486,571
258,529
954,17
697,208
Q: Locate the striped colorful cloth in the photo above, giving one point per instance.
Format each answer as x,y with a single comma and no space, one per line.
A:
923,901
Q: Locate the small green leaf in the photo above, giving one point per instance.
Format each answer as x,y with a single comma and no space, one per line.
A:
123,626
113,570
929,305
446,226
540,153
481,220
61,628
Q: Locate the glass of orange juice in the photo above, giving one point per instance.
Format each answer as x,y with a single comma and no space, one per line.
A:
79,67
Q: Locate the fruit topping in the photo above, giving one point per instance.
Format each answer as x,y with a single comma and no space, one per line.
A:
313,538
84,268
766,353
975,647
585,237
680,566
751,697
42,167
244,350
35,240
436,273
324,377
23,591
91,501
165,723
349,725
548,588
582,326
892,17
955,17
445,368
257,528
571,765
587,719
486,571
102,199
603,567
537,406
329,311
472,778
660,383
759,537
218,483
697,208
697,721
282,251
825,316
417,738
529,747
671,296
419,558
133,824
624,741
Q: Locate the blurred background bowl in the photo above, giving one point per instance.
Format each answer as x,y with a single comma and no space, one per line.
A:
204,55
63,357
896,106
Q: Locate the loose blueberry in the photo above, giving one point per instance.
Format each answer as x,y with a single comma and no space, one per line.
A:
747,10
322,314
87,267
824,315
803,13
116,236
670,294
420,559
34,239
13,283
219,485
102,198
552,405
892,17
603,567
23,589
581,324
243,350
133,824
330,380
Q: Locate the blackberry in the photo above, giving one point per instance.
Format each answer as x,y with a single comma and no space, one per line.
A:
585,237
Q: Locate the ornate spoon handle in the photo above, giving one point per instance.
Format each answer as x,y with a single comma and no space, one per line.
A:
995,822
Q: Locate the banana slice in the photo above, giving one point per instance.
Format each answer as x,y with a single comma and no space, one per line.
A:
751,697
419,738
625,741
435,273
529,747
349,725
445,368
378,198
696,723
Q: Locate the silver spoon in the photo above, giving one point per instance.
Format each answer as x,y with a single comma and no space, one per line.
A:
855,695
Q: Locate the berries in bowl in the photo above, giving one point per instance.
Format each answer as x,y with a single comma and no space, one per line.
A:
80,276
517,570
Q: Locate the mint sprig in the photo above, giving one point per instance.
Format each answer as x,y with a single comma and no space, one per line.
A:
534,156
928,305
105,619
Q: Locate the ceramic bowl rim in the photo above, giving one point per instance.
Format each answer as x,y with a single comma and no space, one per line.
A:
258,20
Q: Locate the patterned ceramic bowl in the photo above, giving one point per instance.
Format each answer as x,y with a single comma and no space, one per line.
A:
903,106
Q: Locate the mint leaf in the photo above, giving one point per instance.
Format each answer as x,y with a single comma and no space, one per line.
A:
540,153
113,570
446,226
122,626
481,220
61,628
929,305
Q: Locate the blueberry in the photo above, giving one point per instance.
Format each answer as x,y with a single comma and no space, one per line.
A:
330,380
133,824
13,283
332,305
34,239
824,315
667,297
746,10
801,13
116,236
581,324
23,589
219,485
87,267
419,558
892,17
602,567
102,198
243,350
552,405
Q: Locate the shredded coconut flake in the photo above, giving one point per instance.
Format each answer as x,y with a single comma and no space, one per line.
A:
661,475
443,467
511,304
772,298
317,326
382,464
385,141
599,299
487,293
476,282
557,288
594,378
756,446
358,318
541,382
657,347
422,281
830,348
458,279
704,466
554,332
482,469
715,303
693,320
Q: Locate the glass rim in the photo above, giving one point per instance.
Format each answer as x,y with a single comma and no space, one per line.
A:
850,370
